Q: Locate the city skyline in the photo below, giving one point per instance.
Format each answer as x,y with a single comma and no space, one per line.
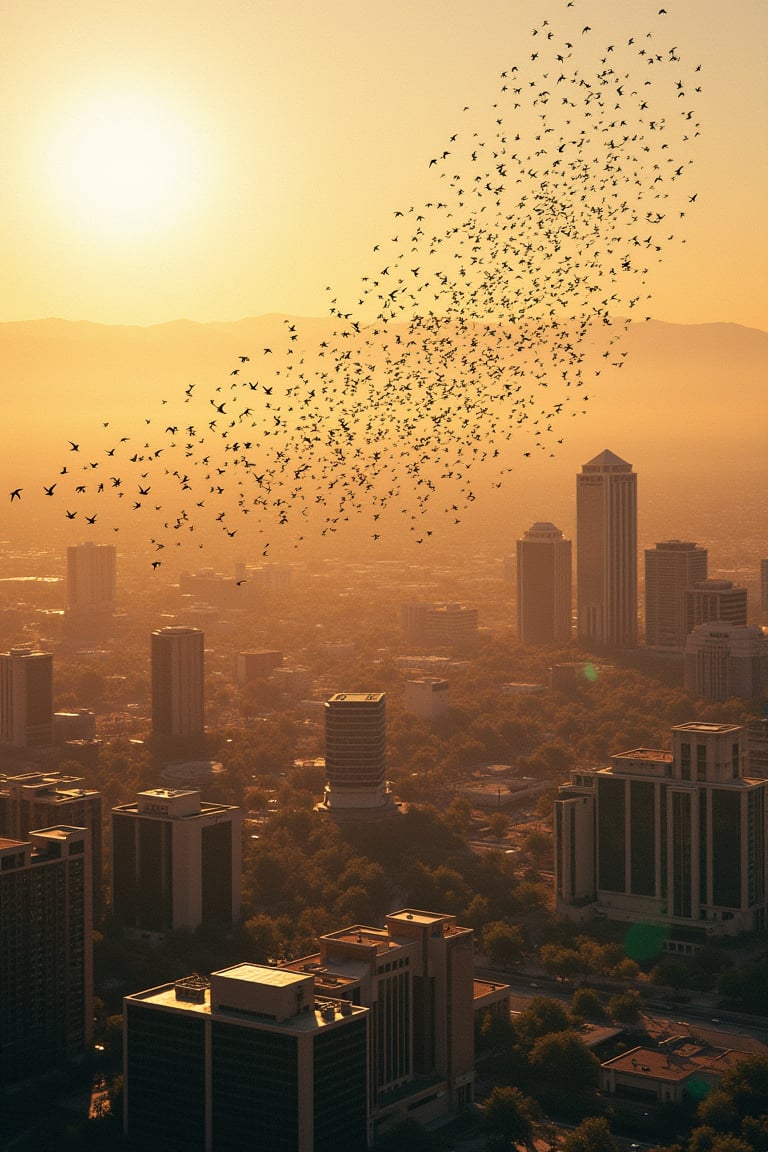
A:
216,162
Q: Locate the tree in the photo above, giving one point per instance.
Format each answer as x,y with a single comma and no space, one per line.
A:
592,1135
498,823
625,1007
741,1093
503,943
586,1004
563,1059
542,1016
509,1115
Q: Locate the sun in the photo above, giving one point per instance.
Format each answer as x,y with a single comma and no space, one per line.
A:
125,164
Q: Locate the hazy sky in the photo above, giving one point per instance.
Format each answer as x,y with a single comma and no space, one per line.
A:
219,160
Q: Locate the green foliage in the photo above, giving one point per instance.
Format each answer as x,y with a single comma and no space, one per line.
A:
563,1060
541,1017
503,943
625,1007
509,1116
592,1135
586,1005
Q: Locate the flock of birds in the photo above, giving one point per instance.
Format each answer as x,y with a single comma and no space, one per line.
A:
487,311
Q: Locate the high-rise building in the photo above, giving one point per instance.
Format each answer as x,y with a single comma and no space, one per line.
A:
176,862
764,589
356,752
26,698
726,660
91,579
44,799
543,585
671,568
442,625
416,977
251,1059
711,600
178,684
676,838
46,954
606,552
428,698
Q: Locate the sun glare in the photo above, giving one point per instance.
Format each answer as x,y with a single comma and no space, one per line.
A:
125,165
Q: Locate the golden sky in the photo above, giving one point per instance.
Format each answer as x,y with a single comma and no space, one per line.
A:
219,160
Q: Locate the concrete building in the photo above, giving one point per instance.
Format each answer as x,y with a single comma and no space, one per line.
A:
356,754
675,1073
257,665
441,625
178,684
671,568
46,951
715,600
45,799
757,748
416,977
428,698
543,586
726,660
606,552
676,839
252,1059
26,698
91,579
176,862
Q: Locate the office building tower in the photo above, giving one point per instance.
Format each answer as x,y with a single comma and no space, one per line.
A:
257,665
176,862
673,838
252,1059
416,975
428,698
44,799
356,752
46,951
606,552
757,748
26,698
671,568
91,579
543,585
178,684
442,625
764,589
726,660
715,600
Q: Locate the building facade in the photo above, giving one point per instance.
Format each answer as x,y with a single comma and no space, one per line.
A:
45,799
178,684
676,839
606,552
26,698
356,752
726,660
250,1059
543,586
91,579
715,600
671,568
46,951
176,862
428,698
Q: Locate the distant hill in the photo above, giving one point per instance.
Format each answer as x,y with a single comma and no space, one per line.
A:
689,408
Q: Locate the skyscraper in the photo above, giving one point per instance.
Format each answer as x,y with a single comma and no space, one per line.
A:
711,600
177,684
726,660
44,799
676,838
46,951
606,552
250,1059
91,579
355,751
176,861
671,567
543,585
26,698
